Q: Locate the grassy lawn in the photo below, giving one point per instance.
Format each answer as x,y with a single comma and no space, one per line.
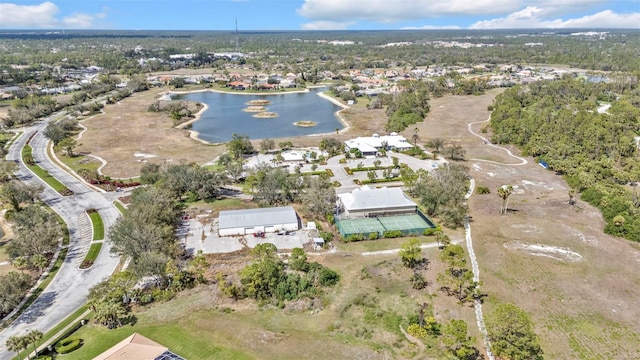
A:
42,173
382,244
51,333
120,207
92,254
181,340
360,318
97,224
221,205
79,162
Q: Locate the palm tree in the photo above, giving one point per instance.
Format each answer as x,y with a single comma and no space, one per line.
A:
16,344
39,261
415,135
572,196
504,192
32,338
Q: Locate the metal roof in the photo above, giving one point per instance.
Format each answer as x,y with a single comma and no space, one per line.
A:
370,198
257,217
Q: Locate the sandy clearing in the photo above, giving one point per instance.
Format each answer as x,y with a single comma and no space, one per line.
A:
552,252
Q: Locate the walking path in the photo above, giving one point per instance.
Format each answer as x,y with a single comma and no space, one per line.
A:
523,161
469,240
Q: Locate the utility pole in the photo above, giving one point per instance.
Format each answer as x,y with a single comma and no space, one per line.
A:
236,34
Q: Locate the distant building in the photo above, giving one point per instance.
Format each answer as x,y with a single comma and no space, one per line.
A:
369,146
370,202
251,221
138,347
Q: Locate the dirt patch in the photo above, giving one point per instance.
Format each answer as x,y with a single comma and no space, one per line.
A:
552,252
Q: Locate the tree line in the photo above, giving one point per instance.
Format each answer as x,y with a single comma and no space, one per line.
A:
586,132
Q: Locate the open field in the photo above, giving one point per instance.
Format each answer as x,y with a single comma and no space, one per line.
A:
127,136
359,319
579,285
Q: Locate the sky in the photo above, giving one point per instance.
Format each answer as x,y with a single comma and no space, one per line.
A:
318,14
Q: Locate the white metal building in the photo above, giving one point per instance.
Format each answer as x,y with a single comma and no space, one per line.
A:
367,201
250,221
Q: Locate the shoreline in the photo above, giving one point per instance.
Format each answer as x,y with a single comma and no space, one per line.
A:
195,135
192,133
238,93
338,114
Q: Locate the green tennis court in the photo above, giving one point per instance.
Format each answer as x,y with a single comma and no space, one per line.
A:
408,224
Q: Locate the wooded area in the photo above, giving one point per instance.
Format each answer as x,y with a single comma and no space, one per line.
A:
569,125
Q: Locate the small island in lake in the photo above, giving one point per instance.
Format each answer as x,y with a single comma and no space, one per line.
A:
305,123
254,108
261,102
266,115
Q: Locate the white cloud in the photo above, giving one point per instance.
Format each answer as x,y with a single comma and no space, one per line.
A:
13,15
386,11
42,16
532,17
327,25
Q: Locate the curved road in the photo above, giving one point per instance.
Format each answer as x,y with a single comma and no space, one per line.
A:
69,289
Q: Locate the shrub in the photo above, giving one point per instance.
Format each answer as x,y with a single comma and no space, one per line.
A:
373,236
331,219
417,331
326,236
431,231
417,281
343,161
329,172
328,277
390,234
483,190
68,345
354,237
348,170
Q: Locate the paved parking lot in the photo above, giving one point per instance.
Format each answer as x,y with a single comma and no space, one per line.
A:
202,234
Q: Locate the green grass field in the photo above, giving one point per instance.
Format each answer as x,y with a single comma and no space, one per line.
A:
97,224
120,207
42,173
91,256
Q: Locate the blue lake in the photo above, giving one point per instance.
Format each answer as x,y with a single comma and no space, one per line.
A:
225,115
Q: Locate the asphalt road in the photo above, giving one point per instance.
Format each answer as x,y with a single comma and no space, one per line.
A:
69,289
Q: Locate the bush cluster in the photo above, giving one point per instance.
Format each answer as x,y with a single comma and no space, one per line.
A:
68,345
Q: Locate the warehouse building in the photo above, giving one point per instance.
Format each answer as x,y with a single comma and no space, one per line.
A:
252,221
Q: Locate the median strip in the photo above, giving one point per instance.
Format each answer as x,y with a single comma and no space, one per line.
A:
29,161
97,225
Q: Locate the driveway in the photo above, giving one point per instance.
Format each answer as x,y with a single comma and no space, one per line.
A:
201,234
69,289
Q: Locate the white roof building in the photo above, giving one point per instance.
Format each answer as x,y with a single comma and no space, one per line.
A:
367,201
371,144
250,221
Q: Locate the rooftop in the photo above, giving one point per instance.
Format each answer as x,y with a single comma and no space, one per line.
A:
257,217
138,347
372,198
